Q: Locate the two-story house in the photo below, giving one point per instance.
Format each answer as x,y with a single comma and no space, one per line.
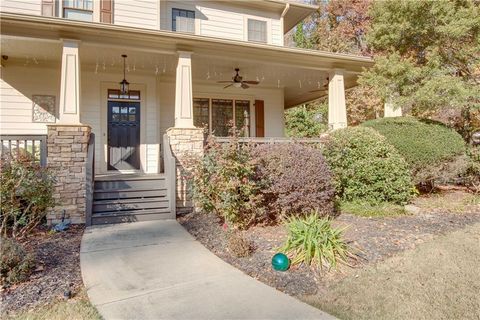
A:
130,71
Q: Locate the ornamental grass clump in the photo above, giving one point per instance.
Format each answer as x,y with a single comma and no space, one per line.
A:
367,168
313,241
296,180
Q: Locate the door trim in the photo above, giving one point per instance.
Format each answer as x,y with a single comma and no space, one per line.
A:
104,86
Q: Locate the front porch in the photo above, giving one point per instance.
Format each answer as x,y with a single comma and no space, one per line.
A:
174,85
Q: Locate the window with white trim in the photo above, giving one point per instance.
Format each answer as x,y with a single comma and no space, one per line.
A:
183,20
257,30
78,10
218,115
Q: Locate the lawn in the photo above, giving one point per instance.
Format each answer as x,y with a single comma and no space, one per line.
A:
437,280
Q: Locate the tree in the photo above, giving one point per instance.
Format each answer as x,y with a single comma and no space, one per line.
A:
303,122
427,55
341,26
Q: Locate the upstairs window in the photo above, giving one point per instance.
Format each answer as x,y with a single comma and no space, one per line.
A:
257,31
78,10
183,20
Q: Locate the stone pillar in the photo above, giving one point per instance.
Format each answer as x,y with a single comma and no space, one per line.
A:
186,143
67,156
337,110
183,91
390,111
70,83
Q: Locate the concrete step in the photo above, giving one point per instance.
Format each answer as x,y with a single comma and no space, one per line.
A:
131,216
130,204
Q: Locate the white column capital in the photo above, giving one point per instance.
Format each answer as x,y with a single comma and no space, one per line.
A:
183,91
70,83
337,110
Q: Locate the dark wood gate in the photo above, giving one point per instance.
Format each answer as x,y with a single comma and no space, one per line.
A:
123,135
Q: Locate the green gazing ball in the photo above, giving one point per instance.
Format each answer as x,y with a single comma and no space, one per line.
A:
280,262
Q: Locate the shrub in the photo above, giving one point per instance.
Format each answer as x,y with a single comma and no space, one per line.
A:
224,182
296,179
427,146
312,240
26,193
367,168
15,262
472,173
239,245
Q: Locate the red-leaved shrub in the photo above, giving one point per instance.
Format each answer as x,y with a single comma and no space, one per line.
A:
296,179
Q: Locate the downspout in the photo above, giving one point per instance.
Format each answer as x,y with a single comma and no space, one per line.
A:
284,12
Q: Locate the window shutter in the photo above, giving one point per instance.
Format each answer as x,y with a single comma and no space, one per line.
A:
48,8
259,119
106,11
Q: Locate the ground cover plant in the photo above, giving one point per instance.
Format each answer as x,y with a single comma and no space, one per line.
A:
367,168
428,147
15,263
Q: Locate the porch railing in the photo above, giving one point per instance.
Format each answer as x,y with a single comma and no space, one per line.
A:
170,167
90,179
34,145
272,140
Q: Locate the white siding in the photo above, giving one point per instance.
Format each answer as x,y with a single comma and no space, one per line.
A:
17,86
21,6
137,13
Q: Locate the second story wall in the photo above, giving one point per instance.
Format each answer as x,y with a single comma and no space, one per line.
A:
241,21
137,13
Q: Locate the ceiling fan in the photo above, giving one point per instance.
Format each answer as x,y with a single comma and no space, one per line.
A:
238,82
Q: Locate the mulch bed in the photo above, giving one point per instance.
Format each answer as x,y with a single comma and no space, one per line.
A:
57,269
374,238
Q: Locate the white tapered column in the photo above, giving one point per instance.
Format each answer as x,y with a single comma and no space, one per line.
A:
183,91
337,111
70,83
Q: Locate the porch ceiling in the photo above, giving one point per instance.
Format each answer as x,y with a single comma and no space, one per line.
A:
36,40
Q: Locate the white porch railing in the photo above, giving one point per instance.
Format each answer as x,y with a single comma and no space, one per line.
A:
170,168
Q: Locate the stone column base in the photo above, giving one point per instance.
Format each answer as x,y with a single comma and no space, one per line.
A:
67,156
185,144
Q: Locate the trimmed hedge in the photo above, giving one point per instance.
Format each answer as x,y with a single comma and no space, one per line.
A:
426,145
367,168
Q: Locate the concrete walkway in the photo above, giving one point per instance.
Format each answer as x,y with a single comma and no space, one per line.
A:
156,270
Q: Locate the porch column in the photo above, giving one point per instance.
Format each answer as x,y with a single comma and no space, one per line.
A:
337,111
390,111
70,83
183,91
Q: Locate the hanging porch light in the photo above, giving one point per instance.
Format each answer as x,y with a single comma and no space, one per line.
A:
124,85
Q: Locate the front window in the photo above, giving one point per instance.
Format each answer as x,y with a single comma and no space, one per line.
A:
219,114
78,10
257,31
183,20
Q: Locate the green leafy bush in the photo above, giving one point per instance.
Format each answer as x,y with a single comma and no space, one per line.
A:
367,168
427,146
26,191
15,262
224,181
301,122
296,179
312,240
